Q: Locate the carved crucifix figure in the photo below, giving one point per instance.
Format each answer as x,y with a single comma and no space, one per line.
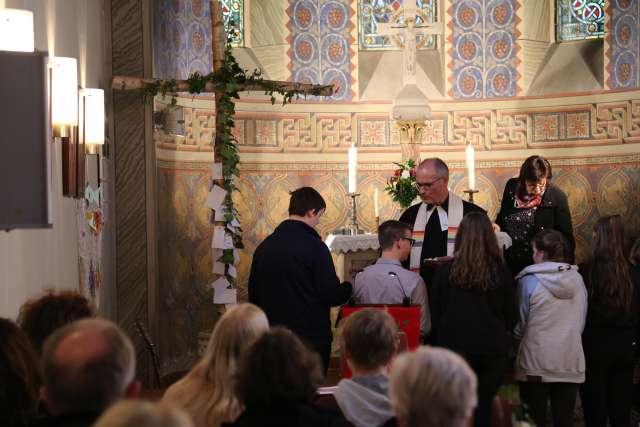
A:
403,35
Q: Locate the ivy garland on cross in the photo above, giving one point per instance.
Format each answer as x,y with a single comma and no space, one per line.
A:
226,81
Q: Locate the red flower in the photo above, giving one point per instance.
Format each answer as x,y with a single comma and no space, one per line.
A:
412,173
398,172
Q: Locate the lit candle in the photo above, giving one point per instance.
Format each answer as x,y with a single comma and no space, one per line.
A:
471,167
375,203
353,160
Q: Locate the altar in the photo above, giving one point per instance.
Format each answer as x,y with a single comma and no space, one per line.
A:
352,252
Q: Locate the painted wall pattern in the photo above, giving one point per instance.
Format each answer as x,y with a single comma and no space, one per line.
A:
623,51
593,189
182,38
321,39
483,50
580,125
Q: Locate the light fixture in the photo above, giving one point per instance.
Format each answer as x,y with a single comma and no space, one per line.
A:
64,95
92,116
16,30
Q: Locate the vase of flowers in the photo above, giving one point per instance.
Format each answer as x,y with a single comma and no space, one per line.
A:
402,185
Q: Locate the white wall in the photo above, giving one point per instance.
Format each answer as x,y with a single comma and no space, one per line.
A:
33,260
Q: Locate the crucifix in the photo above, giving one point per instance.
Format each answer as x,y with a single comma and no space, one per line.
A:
218,47
411,106
404,35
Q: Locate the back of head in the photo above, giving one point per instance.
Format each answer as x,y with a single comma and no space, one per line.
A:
553,244
477,253
87,366
207,391
432,387
41,316
440,167
390,231
137,413
278,370
19,375
607,272
370,338
305,199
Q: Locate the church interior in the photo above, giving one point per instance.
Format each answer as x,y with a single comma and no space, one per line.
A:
509,78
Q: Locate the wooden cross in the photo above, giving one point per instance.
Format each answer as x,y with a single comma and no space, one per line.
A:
409,32
218,45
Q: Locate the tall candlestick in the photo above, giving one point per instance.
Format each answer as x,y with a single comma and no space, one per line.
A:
471,166
353,160
375,203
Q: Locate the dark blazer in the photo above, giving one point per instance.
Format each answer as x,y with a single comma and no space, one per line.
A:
553,212
294,281
471,321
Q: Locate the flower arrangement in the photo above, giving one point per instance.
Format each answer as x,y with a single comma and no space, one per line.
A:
402,185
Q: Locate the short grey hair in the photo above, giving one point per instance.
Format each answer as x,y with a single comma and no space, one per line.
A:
432,387
97,381
137,413
441,168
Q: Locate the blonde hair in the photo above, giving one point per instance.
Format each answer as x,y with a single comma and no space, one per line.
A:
432,387
138,413
207,390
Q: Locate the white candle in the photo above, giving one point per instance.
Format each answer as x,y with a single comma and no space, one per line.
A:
353,160
375,203
471,167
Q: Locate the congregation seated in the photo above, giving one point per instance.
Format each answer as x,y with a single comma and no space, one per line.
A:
432,387
137,413
39,317
87,366
19,376
206,393
387,281
369,339
276,383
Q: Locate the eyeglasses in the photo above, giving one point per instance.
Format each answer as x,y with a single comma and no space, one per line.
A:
426,185
410,240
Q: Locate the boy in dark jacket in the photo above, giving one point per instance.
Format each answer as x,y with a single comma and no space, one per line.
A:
293,278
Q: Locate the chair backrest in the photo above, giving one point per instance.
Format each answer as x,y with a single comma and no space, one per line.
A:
407,318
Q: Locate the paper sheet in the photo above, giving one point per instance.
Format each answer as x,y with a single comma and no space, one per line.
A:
216,197
218,241
218,267
216,171
222,293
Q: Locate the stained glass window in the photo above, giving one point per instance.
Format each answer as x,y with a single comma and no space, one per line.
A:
233,11
374,12
579,19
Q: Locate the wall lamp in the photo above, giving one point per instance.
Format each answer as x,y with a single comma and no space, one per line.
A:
16,30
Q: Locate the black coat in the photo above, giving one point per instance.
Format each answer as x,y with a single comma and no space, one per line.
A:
292,415
553,212
471,321
294,281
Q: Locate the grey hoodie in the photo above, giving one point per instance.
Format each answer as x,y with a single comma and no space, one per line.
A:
552,303
364,401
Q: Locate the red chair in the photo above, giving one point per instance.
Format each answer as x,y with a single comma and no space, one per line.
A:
407,318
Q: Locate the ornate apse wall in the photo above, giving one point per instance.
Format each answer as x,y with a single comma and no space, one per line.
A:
592,139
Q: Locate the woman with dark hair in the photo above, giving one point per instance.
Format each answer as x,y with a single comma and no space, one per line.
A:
531,203
553,306
611,329
19,376
277,382
474,307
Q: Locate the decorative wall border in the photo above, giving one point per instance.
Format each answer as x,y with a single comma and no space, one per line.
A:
622,44
580,125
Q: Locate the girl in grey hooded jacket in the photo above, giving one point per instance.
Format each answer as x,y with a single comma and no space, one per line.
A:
552,303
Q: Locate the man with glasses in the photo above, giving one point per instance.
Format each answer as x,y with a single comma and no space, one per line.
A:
386,281
435,220
293,278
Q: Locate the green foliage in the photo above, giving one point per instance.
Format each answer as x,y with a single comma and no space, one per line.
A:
401,186
227,82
